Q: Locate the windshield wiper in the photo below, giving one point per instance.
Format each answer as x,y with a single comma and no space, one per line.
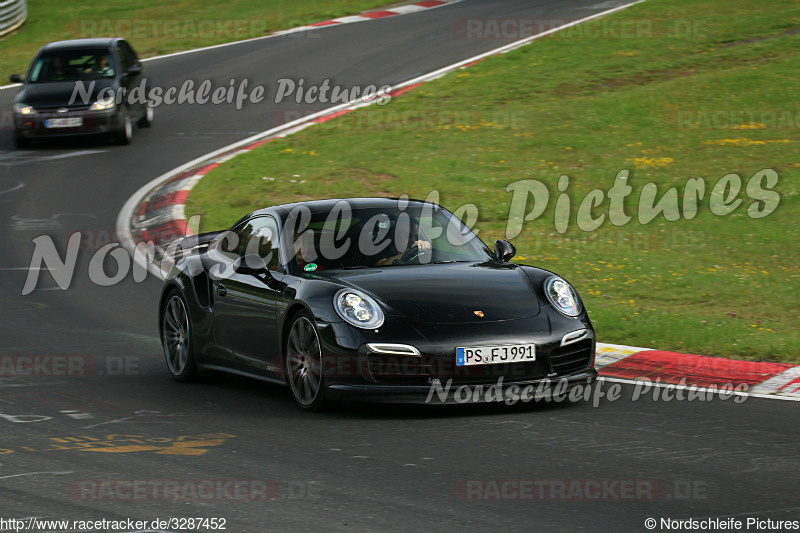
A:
353,267
451,261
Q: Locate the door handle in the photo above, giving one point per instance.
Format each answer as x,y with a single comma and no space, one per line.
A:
221,290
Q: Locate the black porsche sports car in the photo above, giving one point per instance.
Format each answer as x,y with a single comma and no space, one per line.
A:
369,299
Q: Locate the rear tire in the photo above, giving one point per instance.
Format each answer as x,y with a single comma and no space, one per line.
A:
147,119
304,363
176,339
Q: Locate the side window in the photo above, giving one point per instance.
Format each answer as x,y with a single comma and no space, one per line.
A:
130,53
264,241
232,243
258,236
124,58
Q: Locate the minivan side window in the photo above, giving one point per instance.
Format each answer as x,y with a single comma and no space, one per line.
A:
125,59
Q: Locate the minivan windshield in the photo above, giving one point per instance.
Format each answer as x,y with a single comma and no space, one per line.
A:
72,65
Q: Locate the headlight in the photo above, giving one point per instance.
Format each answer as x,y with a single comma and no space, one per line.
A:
102,105
358,309
562,296
23,109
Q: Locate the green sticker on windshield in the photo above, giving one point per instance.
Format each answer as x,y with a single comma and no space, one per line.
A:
311,267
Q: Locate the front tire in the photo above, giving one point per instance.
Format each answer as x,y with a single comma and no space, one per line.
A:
176,339
125,134
304,363
21,142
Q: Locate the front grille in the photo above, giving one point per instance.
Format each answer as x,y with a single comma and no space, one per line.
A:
572,357
70,109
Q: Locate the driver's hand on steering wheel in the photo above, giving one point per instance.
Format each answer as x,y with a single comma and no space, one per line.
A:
423,246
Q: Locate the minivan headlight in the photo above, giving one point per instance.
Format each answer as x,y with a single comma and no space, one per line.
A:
23,109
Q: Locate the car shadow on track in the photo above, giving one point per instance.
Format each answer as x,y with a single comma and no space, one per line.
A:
260,395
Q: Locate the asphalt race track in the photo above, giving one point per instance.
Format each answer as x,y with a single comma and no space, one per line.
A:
122,418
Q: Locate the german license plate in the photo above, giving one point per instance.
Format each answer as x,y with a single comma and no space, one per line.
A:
68,122
492,355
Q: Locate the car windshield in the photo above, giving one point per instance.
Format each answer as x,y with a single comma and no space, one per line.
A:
72,65
381,237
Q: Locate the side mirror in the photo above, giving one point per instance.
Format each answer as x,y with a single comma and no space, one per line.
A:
252,264
504,250
15,78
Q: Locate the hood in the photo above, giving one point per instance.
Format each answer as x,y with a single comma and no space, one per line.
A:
58,94
448,293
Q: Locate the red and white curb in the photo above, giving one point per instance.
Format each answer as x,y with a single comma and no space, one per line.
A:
155,214
759,379
372,15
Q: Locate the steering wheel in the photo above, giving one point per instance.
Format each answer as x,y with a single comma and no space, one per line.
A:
410,255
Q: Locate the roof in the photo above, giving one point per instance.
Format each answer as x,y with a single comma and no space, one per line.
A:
321,206
81,43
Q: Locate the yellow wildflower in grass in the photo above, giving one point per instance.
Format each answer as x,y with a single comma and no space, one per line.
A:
751,126
745,142
652,162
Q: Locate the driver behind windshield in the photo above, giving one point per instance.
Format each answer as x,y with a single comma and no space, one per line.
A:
414,240
101,66
305,252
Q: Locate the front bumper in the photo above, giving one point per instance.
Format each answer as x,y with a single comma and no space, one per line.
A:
438,393
355,372
35,125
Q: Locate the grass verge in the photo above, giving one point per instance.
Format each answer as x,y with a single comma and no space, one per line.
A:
703,88
155,27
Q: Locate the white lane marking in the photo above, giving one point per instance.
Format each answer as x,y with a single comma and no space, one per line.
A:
686,387
25,419
37,473
137,415
8,159
13,188
125,216
78,415
27,224
5,382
